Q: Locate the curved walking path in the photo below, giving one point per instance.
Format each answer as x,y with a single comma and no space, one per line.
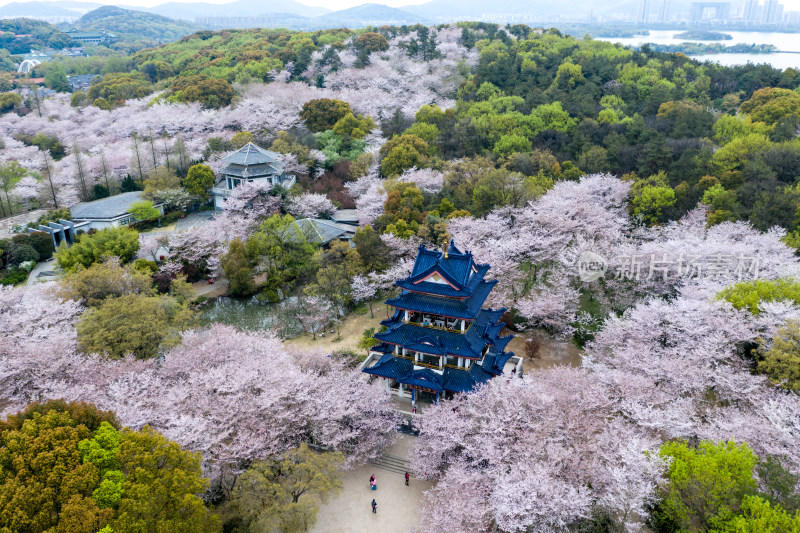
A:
350,512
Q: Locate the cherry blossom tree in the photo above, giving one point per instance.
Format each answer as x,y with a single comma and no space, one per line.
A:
543,448
426,179
311,205
313,313
233,396
363,290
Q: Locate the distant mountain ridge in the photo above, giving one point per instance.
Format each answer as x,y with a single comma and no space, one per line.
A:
296,15
136,24
376,14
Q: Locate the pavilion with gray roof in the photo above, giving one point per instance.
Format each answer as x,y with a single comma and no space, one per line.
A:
250,163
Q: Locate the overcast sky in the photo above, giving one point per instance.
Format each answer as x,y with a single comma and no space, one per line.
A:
330,4
789,5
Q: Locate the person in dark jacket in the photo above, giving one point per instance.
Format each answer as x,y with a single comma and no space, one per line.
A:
374,506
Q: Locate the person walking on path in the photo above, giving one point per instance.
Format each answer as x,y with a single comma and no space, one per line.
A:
372,479
374,506
406,479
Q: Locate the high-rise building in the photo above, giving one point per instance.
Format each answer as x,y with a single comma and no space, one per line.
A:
772,12
751,11
643,14
663,10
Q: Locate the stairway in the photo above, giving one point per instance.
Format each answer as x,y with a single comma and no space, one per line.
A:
392,464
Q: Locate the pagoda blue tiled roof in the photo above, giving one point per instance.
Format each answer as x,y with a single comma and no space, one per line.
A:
424,378
448,284
466,309
452,274
482,332
391,367
461,381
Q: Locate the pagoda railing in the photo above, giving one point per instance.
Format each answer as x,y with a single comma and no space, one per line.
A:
420,363
431,326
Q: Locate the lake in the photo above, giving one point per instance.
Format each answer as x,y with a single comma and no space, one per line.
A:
785,42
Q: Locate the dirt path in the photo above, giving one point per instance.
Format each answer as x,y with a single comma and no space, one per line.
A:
351,331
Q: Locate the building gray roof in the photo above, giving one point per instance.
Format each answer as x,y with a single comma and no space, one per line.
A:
252,161
325,231
106,208
250,154
75,33
346,216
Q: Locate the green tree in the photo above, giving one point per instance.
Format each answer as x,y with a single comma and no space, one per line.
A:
512,144
10,173
337,265
162,487
371,249
44,483
368,340
283,494
240,139
9,102
323,113
133,324
160,179
372,42
705,485
199,179
143,211
104,280
352,126
93,248
282,251
56,77
403,152
780,360
114,88
750,294
238,270
211,92
757,516
771,104
649,198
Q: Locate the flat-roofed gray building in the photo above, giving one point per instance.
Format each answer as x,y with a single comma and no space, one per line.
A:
108,212
250,163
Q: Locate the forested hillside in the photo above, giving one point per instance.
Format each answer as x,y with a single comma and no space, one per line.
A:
638,211
137,29
679,129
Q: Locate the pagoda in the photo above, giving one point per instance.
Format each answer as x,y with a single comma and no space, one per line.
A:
250,163
440,340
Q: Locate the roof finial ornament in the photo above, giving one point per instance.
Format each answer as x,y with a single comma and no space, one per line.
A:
444,247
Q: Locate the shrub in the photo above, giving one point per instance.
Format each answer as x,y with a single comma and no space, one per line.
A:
19,253
13,276
93,248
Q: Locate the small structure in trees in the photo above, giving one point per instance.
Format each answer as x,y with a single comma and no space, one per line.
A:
440,341
251,164
109,212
